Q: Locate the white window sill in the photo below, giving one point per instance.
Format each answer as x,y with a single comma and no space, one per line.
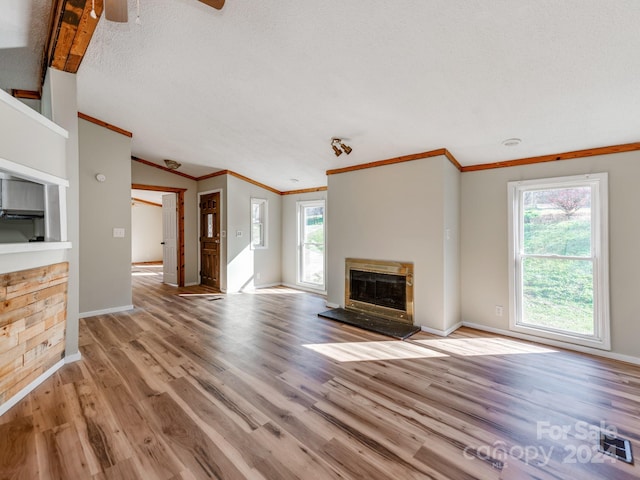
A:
33,247
599,343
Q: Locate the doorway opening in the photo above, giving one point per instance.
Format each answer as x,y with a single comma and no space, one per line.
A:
172,202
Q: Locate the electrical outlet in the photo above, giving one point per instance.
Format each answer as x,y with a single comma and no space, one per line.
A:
499,310
238,233
118,233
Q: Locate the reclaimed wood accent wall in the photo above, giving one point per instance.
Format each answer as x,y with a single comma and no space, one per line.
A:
33,314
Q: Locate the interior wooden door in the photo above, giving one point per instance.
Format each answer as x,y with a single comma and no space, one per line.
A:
210,240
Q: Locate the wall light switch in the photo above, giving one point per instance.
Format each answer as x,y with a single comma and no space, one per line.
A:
223,233
118,233
499,310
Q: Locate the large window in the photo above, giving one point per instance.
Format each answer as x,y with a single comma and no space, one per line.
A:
258,223
559,259
311,244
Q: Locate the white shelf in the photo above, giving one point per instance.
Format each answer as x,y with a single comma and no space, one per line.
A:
33,247
31,113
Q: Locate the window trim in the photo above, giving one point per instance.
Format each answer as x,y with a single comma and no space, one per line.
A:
264,203
600,258
300,205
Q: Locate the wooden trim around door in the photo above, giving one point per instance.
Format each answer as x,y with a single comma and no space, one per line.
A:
180,202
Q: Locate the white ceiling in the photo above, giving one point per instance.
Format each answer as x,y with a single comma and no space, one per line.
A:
23,31
261,87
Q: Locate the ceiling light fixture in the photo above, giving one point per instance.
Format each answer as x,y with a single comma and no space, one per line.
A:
138,21
339,147
93,10
345,148
511,142
172,164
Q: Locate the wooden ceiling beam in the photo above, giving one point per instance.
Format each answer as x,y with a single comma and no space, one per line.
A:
25,94
71,28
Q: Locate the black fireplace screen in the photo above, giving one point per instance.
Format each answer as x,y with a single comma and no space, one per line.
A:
381,289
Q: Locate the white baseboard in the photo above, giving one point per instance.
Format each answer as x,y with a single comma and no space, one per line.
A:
4,408
304,289
74,357
554,343
93,313
441,333
267,285
191,284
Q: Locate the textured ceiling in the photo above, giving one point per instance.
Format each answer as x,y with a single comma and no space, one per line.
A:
261,87
23,32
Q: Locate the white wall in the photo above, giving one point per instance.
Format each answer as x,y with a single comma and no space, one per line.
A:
397,213
146,232
32,140
484,252
60,101
451,245
245,265
105,261
290,233
147,175
28,140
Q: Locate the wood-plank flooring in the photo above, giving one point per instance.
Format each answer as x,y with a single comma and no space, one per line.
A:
192,385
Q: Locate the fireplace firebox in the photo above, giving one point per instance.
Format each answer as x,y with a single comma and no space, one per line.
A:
381,288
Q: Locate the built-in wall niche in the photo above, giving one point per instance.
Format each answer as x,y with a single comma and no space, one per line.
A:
32,209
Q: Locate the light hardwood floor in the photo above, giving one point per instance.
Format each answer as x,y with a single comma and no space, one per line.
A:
257,386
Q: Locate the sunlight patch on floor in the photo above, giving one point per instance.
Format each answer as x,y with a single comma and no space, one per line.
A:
369,351
467,347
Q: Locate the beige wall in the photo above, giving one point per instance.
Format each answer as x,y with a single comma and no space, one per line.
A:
105,261
290,233
484,257
146,233
397,212
147,175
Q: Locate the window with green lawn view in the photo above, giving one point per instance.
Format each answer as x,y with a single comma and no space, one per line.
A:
559,259
258,223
